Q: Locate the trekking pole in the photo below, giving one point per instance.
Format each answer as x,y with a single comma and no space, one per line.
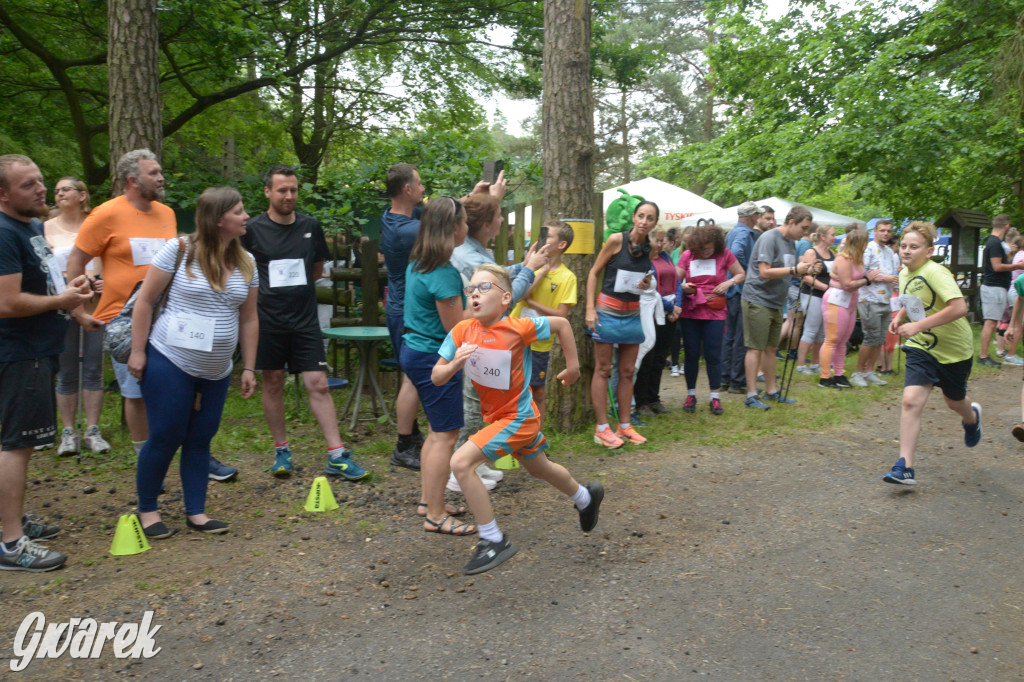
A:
788,368
81,382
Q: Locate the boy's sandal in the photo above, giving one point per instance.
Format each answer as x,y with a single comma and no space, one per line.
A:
455,528
449,509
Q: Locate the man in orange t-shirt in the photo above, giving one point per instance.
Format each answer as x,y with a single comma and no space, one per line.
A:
125,233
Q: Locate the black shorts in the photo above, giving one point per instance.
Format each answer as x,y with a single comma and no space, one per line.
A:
922,369
300,351
540,368
28,403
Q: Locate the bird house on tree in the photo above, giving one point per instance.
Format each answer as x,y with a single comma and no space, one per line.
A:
965,227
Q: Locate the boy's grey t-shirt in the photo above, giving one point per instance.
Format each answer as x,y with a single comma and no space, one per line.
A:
777,251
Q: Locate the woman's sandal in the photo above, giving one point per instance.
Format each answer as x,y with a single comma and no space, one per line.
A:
453,529
449,509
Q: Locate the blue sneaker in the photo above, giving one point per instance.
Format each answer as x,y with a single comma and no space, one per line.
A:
345,467
282,463
754,401
221,472
635,420
777,397
972,432
901,474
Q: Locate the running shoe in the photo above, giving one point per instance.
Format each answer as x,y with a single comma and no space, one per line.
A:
68,443
608,439
221,472
408,458
1018,432
453,483
659,407
738,389
588,515
488,474
777,397
282,463
828,383
804,369
989,362
634,417
95,441
1013,360
34,527
901,474
691,404
754,402
490,555
840,381
872,378
31,556
645,411
972,432
630,434
675,371
716,406
857,379
343,466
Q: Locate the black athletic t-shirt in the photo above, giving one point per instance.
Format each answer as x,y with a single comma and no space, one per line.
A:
285,255
989,277
23,250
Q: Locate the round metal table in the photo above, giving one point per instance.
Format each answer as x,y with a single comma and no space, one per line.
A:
366,339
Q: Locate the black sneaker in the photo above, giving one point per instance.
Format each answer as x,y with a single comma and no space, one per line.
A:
841,382
738,389
588,515
408,458
31,556
828,383
989,362
35,529
489,554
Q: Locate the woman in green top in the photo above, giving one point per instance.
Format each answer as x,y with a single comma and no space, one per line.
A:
938,344
434,303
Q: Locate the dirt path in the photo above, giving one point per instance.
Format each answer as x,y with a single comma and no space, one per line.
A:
783,559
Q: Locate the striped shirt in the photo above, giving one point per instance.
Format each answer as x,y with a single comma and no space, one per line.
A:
195,297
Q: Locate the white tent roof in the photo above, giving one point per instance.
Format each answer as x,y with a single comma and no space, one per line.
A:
727,217
675,203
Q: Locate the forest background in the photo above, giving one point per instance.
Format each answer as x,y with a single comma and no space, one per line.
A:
883,108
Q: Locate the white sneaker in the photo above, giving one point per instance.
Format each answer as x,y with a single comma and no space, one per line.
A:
857,379
94,441
815,368
675,371
68,443
1013,360
488,474
873,378
453,484
804,369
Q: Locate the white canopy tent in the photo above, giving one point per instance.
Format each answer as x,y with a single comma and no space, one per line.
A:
727,217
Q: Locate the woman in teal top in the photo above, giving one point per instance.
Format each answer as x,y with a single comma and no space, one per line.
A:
434,303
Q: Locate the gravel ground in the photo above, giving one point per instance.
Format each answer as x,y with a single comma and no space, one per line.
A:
786,558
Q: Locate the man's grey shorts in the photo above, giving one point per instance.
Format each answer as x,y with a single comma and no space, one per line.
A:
874,320
796,302
993,302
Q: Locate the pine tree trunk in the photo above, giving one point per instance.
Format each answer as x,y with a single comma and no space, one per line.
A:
134,79
568,140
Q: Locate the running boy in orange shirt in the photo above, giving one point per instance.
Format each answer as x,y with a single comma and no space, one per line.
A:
495,351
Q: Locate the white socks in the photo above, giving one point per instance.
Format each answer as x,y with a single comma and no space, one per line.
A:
581,499
490,532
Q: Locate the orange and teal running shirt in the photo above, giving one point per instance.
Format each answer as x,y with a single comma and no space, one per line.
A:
500,369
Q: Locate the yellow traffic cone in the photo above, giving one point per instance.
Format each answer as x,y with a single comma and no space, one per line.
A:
508,463
129,538
321,497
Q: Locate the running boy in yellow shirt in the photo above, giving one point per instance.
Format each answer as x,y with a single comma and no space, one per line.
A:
493,348
550,296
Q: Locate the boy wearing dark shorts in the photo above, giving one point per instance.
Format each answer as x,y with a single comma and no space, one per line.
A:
494,350
938,343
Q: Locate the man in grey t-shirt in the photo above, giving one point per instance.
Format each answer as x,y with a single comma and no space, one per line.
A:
772,263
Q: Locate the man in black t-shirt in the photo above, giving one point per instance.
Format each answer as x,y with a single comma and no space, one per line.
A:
996,273
290,250
33,323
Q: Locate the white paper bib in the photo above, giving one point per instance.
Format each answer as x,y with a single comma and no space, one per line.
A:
528,312
702,268
627,281
186,330
287,272
914,306
840,298
143,249
491,368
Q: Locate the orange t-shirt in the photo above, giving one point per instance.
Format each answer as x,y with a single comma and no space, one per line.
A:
125,239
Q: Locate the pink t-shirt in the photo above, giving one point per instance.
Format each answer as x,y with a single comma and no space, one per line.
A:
695,305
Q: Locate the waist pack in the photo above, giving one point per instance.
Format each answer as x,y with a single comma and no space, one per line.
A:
117,337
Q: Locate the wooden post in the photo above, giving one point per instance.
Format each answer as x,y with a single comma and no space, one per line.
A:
371,293
519,238
501,241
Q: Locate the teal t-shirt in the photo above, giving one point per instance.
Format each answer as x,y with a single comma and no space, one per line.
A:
423,329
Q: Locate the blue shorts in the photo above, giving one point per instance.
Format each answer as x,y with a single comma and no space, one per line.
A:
126,383
396,327
539,377
442,404
922,369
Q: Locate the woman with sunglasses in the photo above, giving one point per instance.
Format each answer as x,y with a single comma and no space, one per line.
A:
72,199
434,303
614,318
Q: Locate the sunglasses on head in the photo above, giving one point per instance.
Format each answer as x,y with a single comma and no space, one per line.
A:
484,287
456,202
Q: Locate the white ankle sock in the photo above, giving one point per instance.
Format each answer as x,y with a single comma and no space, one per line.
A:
490,532
582,498
602,427
624,426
